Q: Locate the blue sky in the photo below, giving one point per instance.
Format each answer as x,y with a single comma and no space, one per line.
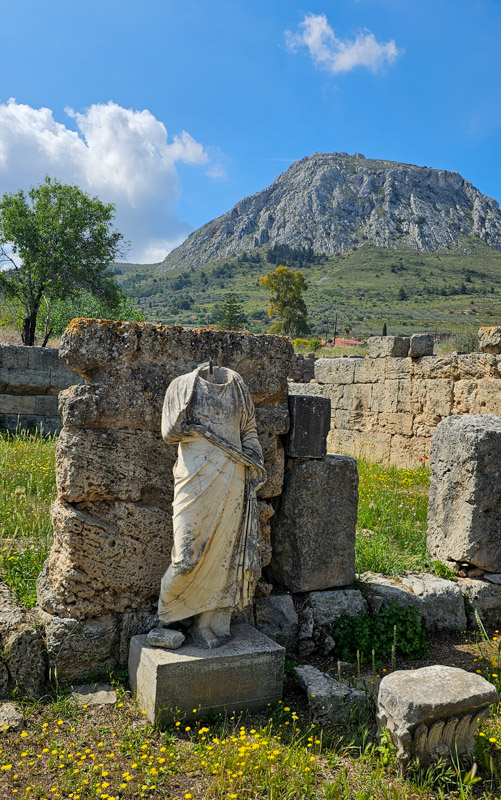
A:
176,110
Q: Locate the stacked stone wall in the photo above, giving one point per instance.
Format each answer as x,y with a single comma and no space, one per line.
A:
30,381
387,408
302,368
113,514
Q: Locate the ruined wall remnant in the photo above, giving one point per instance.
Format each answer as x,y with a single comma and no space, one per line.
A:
30,381
113,516
464,514
387,408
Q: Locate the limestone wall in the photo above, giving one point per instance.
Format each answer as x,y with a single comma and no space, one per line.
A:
30,381
112,517
387,408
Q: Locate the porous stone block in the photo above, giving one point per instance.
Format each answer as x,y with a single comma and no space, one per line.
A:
277,618
484,598
151,356
388,346
331,701
274,458
246,674
310,422
421,344
464,511
433,712
328,606
22,651
313,531
77,648
439,602
489,339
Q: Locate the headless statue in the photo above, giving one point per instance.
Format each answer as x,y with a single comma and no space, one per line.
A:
215,563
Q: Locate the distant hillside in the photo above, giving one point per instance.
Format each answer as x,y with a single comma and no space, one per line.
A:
447,290
335,203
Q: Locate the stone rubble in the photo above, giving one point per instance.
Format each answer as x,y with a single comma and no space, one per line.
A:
331,701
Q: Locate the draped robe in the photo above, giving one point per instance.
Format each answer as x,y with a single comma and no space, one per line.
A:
215,558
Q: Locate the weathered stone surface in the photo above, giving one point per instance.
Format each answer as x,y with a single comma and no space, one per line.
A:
274,458
439,602
94,694
328,606
133,540
464,512
313,533
22,659
277,618
489,339
421,344
388,346
484,598
152,355
88,469
33,371
265,512
335,370
331,702
309,426
165,637
433,711
244,675
80,647
272,420
10,717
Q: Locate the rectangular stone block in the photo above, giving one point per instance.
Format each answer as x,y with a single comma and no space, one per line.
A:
388,346
310,422
421,345
464,512
17,404
244,675
335,370
313,530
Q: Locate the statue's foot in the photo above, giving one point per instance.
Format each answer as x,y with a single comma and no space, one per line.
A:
201,631
220,624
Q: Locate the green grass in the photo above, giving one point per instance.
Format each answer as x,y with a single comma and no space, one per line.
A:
27,489
69,753
391,527
454,290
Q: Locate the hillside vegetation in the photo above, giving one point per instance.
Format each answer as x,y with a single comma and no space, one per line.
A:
445,291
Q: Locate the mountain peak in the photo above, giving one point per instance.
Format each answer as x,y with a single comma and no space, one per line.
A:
335,202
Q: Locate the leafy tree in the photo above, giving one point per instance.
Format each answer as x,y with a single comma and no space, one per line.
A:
83,304
287,303
402,294
231,316
55,243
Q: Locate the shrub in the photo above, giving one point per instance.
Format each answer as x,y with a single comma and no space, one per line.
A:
394,626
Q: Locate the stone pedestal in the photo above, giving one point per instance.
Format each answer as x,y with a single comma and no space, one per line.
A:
245,674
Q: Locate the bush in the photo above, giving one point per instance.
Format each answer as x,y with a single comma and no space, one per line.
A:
466,341
365,633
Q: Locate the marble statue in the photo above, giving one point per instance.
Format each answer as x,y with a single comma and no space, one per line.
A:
215,558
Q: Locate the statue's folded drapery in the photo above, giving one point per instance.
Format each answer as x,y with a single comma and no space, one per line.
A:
215,557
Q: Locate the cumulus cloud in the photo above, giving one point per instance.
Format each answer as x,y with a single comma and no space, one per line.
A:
123,156
340,55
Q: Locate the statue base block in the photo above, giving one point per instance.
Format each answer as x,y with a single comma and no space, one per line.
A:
244,675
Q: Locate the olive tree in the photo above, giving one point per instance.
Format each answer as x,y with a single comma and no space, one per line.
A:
55,243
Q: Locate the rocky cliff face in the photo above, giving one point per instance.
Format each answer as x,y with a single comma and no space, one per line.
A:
334,202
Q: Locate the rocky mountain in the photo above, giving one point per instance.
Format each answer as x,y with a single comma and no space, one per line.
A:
333,203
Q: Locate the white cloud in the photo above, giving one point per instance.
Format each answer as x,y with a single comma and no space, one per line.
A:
121,155
338,55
